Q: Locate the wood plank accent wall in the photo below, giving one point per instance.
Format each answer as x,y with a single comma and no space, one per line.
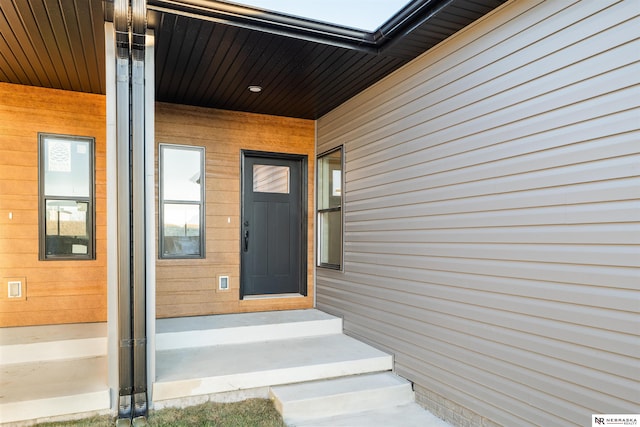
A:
189,287
56,291
492,216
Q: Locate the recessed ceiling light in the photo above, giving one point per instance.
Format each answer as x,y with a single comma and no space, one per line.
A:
255,89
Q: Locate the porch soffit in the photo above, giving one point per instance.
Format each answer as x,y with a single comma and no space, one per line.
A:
206,58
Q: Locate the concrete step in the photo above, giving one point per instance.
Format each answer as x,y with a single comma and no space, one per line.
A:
181,373
205,331
339,396
52,342
40,390
408,415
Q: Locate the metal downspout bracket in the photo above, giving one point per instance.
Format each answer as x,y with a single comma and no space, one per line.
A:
129,17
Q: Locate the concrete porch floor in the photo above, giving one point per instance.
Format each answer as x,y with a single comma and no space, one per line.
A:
227,353
52,371
300,359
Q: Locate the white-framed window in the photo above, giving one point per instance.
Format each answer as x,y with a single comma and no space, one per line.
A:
330,198
66,197
181,200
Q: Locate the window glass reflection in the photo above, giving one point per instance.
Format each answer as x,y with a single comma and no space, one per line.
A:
330,233
66,227
66,167
181,175
271,179
330,180
181,230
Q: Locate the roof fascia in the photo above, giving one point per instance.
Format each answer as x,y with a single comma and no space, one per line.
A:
413,15
408,19
271,22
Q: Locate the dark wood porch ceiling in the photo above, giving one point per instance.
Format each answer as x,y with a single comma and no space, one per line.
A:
208,57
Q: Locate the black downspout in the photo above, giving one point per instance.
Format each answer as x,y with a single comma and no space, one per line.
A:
138,29
125,374
130,27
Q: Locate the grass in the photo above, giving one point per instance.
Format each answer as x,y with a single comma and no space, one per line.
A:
249,413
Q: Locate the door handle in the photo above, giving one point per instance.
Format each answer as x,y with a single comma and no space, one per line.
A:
246,240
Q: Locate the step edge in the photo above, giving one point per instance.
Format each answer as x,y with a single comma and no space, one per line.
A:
266,378
349,395
329,407
53,350
372,380
243,334
38,409
342,339
20,335
161,324
427,418
376,389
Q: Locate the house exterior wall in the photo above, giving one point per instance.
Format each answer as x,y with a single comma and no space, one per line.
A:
492,216
188,287
55,290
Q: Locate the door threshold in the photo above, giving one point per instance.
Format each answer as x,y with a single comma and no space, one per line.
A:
272,296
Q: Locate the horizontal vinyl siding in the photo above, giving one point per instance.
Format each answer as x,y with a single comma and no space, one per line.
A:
492,214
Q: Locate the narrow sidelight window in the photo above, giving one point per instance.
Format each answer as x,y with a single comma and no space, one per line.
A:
330,209
66,197
181,201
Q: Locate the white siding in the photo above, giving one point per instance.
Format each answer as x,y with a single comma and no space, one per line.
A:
492,214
